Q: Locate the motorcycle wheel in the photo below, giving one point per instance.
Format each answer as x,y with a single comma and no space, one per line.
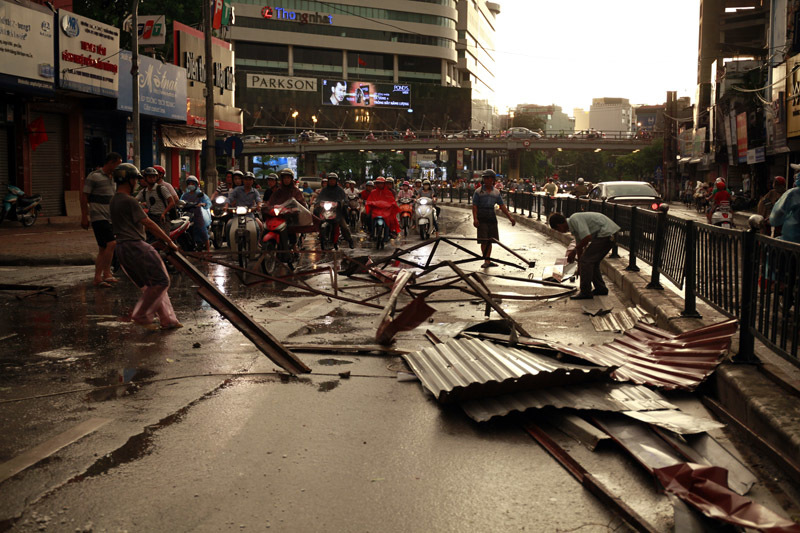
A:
244,256
424,234
29,218
379,238
270,258
217,240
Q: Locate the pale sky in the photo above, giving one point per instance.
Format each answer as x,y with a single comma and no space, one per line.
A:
567,52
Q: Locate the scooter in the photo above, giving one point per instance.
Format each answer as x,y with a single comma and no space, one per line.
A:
722,216
406,206
179,229
18,206
243,234
328,227
280,220
353,211
381,210
219,219
425,215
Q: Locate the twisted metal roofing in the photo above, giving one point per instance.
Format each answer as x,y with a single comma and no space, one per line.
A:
463,369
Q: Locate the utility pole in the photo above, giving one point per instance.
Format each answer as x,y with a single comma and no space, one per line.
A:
135,82
210,176
670,164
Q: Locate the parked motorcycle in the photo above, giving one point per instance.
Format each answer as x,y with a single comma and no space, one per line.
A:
219,219
406,207
18,206
425,215
329,226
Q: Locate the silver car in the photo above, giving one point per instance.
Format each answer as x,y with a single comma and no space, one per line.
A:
638,193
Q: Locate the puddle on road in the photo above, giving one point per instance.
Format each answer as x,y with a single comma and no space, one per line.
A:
333,362
117,383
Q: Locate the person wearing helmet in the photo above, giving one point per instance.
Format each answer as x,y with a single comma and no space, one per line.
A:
272,182
405,191
238,177
767,202
350,187
202,218
428,191
333,193
225,185
483,214
98,189
285,191
140,261
156,198
322,184
719,196
580,189
390,186
382,193
550,187
162,173
786,212
366,220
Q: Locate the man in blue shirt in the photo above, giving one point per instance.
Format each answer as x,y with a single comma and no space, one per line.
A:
594,235
483,215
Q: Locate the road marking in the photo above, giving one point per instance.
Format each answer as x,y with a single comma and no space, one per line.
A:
49,447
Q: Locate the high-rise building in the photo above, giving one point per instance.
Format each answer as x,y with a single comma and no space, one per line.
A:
581,117
556,122
371,65
613,116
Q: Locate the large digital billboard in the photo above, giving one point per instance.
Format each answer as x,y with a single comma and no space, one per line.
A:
365,94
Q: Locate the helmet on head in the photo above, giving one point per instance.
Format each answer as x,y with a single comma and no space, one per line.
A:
406,184
426,182
272,176
125,172
150,171
351,182
580,180
192,179
332,176
161,170
780,180
389,180
418,180
489,174
370,184
238,173
380,179
229,171
286,173
720,185
249,175
550,179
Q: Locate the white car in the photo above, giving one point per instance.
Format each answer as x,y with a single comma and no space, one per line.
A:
312,137
518,132
252,139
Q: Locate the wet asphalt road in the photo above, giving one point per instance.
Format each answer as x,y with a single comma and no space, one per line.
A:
204,436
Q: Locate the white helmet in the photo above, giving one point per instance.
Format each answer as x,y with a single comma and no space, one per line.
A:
580,180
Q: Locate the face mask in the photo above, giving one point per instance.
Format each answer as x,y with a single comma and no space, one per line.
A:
191,188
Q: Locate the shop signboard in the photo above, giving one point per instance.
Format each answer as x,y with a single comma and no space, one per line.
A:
26,48
365,94
190,54
741,136
88,55
280,83
152,30
162,88
793,97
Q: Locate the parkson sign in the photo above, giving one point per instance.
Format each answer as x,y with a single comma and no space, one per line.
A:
281,83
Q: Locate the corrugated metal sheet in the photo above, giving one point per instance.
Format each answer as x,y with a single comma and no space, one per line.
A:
586,396
651,356
621,320
676,421
464,369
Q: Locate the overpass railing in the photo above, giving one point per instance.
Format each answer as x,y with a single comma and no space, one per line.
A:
740,273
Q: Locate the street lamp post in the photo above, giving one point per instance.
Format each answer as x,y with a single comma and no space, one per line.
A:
294,117
314,120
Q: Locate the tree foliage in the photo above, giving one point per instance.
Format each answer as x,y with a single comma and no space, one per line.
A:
530,121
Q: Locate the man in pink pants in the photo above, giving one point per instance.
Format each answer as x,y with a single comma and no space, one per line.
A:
141,261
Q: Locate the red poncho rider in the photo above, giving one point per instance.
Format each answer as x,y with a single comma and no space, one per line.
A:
381,193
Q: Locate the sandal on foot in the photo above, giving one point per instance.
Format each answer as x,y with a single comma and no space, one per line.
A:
102,285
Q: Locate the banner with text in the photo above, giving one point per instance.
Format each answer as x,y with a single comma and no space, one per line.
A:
26,47
162,88
88,55
365,94
280,83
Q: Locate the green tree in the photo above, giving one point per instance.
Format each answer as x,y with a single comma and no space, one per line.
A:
527,120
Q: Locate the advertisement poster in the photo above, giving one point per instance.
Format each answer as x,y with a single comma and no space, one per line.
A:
365,94
152,30
88,55
793,97
162,88
26,47
741,136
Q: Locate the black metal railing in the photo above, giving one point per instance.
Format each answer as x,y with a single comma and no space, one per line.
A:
741,274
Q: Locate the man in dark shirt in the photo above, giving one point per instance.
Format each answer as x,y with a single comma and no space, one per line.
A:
483,216
139,260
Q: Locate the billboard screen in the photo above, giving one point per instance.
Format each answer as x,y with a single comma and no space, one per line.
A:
365,94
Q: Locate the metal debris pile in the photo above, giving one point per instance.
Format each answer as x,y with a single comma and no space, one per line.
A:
608,393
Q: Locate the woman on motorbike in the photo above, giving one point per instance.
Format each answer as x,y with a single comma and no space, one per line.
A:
195,196
428,192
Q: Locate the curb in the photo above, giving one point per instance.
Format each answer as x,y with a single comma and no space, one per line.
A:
746,393
67,260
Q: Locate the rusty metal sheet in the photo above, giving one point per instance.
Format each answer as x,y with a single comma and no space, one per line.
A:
705,449
676,421
639,440
651,356
464,369
706,489
621,321
605,396
409,318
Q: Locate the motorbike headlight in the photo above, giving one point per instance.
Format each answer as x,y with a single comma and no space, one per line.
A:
277,211
241,210
327,206
219,200
424,201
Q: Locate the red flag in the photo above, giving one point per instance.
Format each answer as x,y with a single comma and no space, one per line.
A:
36,133
361,62
216,22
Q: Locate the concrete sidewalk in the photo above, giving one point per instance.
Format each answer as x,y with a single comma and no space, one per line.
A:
63,243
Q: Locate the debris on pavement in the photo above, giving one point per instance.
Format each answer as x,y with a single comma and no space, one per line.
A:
620,321
409,318
463,369
706,489
676,421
